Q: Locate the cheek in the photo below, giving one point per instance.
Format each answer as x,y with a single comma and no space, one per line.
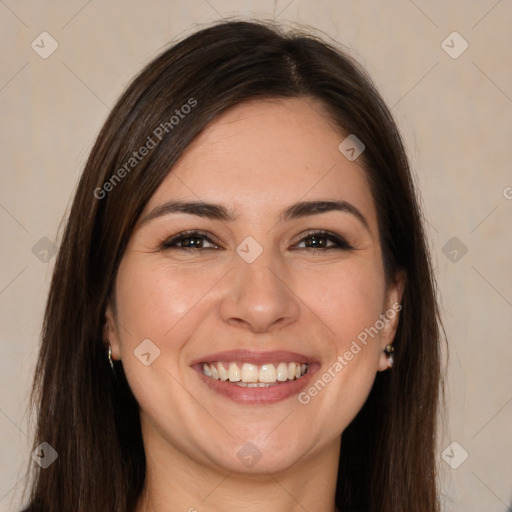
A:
348,299
165,305
349,303
155,297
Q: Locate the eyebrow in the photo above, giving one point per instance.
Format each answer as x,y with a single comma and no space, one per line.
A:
219,212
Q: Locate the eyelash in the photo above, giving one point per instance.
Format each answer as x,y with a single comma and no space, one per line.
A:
340,243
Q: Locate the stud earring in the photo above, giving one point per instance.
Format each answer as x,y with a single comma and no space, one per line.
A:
389,353
109,354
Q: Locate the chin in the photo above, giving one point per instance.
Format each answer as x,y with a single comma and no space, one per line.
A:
262,456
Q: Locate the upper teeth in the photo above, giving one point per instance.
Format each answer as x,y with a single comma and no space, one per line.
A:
247,372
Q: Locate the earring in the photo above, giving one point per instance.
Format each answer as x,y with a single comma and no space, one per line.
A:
109,354
389,353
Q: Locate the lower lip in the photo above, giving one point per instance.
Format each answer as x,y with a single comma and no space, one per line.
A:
270,395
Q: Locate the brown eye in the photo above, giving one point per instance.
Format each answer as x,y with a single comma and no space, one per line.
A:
189,240
324,240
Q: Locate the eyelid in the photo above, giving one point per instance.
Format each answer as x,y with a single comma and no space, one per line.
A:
339,241
189,233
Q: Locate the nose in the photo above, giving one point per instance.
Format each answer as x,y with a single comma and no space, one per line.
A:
259,295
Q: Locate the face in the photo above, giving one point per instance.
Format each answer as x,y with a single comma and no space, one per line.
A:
251,328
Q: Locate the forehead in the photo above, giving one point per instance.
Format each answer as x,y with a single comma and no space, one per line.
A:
266,154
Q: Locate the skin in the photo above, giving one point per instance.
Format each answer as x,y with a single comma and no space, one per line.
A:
256,159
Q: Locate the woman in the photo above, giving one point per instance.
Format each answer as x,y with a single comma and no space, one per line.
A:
242,313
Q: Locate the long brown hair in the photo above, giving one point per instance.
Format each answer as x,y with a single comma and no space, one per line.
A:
91,418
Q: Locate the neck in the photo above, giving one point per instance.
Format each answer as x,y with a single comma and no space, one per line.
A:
174,481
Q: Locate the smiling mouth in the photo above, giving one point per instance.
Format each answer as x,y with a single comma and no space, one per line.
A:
255,376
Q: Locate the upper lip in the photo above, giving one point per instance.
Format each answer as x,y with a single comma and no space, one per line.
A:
257,358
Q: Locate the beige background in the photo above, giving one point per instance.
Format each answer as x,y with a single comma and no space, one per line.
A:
455,114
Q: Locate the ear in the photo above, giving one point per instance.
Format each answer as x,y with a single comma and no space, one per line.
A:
390,316
111,332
